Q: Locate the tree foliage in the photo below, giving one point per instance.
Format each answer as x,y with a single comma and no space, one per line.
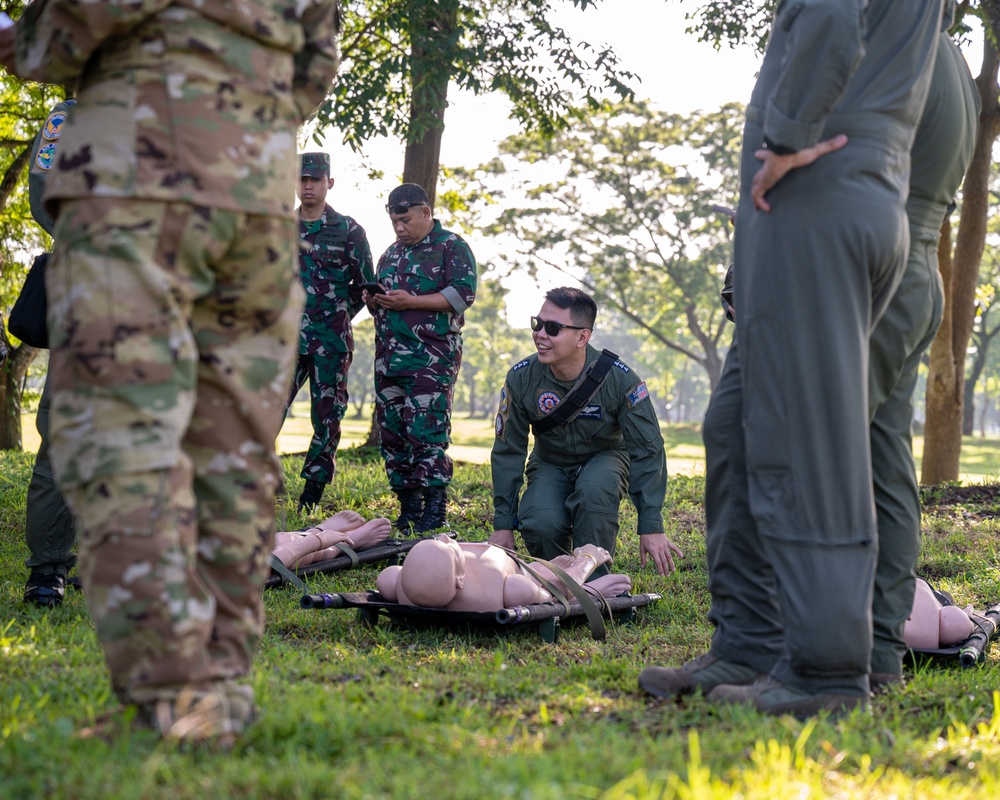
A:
732,22
400,56
650,244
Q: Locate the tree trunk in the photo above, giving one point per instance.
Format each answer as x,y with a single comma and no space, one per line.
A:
946,379
13,370
984,340
432,33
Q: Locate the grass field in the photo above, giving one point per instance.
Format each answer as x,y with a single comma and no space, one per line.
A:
473,438
387,712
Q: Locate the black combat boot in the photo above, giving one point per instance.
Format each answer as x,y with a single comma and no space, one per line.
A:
45,589
411,506
311,495
435,501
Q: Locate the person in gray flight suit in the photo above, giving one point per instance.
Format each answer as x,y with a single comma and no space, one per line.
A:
940,156
821,243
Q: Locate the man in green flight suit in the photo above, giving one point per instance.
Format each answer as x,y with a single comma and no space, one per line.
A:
335,260
48,525
580,469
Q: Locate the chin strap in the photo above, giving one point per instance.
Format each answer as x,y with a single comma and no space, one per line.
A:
580,594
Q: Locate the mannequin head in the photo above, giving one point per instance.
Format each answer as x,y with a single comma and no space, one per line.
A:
930,625
433,572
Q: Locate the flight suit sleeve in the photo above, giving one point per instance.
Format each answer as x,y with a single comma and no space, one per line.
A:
38,168
647,477
359,265
55,38
825,42
510,449
316,64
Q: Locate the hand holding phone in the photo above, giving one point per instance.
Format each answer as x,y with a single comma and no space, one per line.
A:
373,288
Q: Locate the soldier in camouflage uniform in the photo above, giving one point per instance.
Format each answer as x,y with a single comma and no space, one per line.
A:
429,277
579,471
48,526
173,320
333,263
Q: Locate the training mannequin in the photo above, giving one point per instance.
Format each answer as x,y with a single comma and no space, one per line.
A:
300,548
932,625
478,576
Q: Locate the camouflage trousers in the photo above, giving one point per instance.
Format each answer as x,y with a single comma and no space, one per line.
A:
413,413
327,376
173,332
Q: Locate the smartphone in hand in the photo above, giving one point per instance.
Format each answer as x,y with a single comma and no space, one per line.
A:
373,288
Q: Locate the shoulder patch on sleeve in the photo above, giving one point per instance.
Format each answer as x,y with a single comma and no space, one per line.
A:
622,367
46,156
503,412
53,126
637,395
519,364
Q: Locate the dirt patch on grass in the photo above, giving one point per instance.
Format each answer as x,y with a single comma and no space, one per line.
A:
980,501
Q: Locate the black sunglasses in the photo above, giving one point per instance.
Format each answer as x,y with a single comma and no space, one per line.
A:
401,208
552,327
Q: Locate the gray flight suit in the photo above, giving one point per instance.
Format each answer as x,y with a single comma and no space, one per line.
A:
940,156
49,532
792,534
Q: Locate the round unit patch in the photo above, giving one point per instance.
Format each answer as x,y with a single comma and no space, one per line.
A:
547,401
53,125
503,400
46,156
499,426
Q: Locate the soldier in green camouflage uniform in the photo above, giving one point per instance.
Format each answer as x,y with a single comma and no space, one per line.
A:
48,525
173,318
333,263
579,471
429,275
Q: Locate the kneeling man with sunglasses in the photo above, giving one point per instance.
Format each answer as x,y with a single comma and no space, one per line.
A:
595,437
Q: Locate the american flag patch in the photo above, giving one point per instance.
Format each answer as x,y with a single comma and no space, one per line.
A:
637,395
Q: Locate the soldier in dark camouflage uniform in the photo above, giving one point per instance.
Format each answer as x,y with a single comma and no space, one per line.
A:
48,525
333,263
429,275
173,321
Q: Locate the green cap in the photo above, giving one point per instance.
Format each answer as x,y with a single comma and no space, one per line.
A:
315,165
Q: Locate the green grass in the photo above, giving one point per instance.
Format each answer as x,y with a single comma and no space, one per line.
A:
353,712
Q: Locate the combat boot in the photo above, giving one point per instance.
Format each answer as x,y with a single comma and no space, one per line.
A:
435,502
45,590
704,672
772,697
311,495
411,506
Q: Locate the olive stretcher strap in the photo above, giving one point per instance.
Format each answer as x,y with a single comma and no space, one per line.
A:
287,574
579,396
295,580
581,595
